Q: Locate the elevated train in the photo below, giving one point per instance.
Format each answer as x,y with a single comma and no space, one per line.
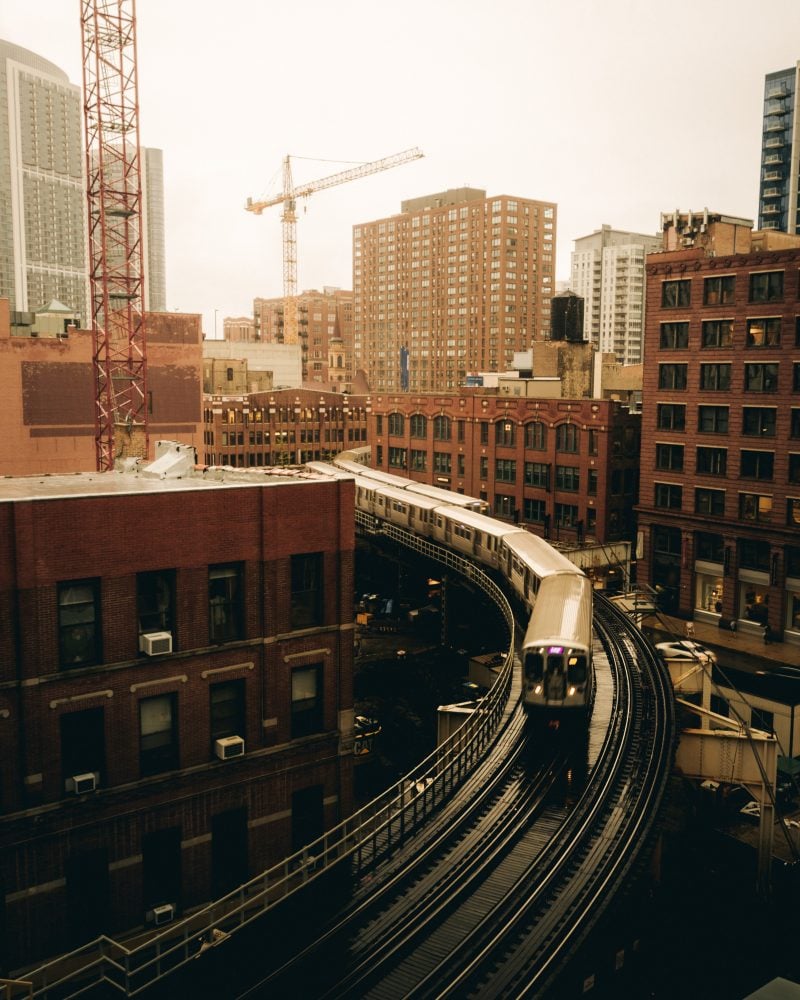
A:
558,677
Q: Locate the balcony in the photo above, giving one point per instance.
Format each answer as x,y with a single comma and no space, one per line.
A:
773,159
771,210
776,142
777,93
775,107
771,192
775,125
773,175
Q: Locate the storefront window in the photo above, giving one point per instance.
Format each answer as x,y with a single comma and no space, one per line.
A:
754,603
709,593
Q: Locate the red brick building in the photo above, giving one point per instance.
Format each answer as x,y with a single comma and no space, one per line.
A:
47,386
175,691
285,427
565,468
719,505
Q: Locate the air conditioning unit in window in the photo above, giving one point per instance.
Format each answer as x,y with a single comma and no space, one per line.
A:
229,746
84,783
162,914
155,643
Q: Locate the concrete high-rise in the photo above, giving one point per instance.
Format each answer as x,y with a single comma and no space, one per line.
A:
778,193
456,283
43,242
608,272
153,252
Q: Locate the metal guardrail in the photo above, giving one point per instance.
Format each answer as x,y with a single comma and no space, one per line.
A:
365,839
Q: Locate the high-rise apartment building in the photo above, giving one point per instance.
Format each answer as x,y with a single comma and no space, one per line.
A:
608,272
456,283
43,235
779,194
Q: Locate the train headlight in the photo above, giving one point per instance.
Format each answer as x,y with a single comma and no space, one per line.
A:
572,691
537,689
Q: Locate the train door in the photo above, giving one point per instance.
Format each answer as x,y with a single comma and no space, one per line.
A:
556,679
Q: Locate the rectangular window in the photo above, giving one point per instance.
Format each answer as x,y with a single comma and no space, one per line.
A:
672,376
418,460
671,416
484,467
754,554
537,474
225,603
757,464
158,734
307,597
568,478
505,470
567,438
766,286
226,710
592,485
710,547
594,437
462,465
674,336
761,378
307,701
379,423
794,427
397,458
669,456
717,333
794,469
155,601
460,430
709,502
442,462
503,505
668,496
79,631
484,432
712,461
535,510
759,421
793,515
796,377
676,294
712,419
715,378
566,515
754,507
764,332
719,291
83,744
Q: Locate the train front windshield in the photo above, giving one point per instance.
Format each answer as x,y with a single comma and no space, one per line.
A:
576,669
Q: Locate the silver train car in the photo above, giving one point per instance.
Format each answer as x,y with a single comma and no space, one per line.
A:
558,677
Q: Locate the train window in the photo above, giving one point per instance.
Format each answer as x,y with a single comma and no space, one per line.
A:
534,666
576,669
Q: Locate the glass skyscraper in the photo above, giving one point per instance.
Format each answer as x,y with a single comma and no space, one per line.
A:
778,203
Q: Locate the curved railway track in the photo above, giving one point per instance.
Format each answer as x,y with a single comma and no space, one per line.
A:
501,897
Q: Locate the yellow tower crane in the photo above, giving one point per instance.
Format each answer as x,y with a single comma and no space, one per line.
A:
289,221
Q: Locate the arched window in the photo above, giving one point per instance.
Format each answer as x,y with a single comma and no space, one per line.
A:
441,428
396,424
419,425
505,433
567,438
536,436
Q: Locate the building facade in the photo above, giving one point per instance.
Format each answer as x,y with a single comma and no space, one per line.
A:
719,507
176,707
454,284
566,469
325,332
47,385
608,273
280,428
154,255
43,234
778,192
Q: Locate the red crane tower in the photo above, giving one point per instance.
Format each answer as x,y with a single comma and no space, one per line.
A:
114,189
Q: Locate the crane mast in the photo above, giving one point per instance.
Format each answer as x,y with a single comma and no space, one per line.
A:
114,194
289,220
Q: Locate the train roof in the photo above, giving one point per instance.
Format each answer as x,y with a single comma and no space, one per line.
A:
364,470
420,502
480,522
562,614
542,558
325,468
447,496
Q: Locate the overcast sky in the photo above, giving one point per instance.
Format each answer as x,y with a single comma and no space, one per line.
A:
615,109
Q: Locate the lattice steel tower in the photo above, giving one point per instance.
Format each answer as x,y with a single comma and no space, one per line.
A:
116,267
